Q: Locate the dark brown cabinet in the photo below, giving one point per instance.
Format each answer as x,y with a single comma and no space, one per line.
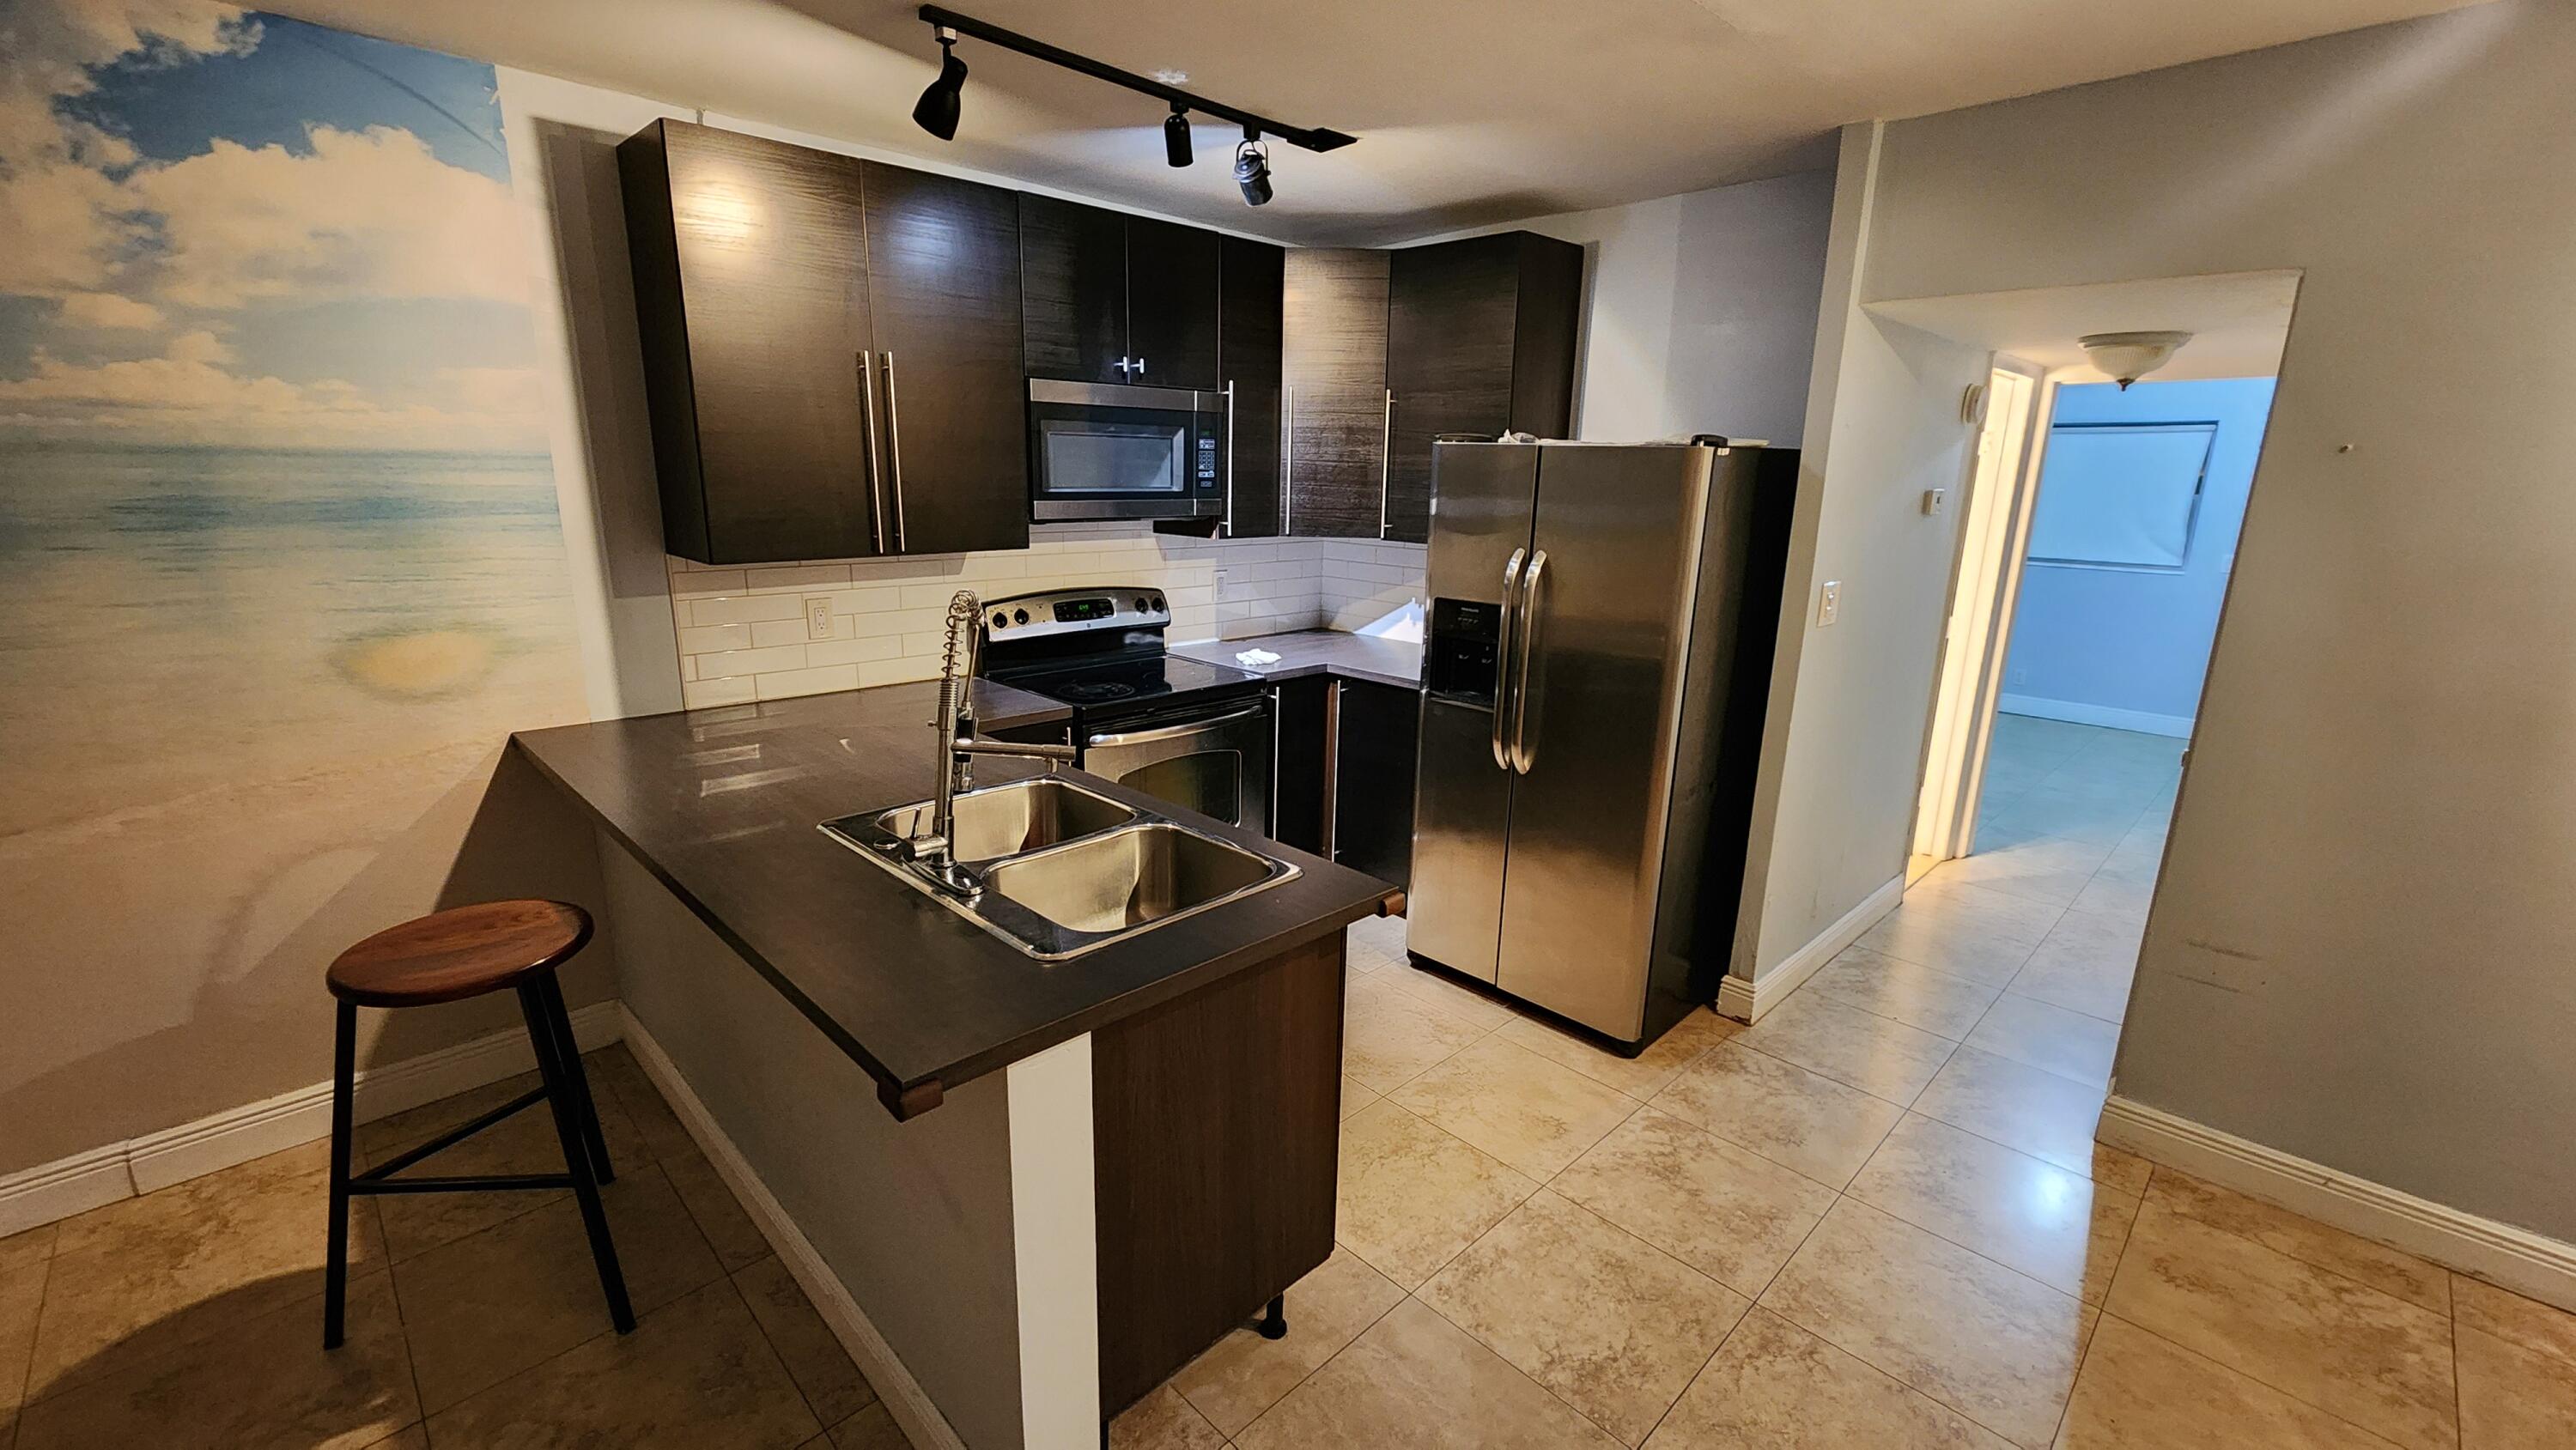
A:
1112,298
1249,315
1480,339
944,296
1333,445
831,350
1388,350
1344,785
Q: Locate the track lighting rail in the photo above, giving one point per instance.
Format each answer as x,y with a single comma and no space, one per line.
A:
1310,138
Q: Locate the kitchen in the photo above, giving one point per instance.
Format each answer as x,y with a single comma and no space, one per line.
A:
1273,1006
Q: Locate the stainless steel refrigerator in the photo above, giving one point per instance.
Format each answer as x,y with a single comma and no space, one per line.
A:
1594,675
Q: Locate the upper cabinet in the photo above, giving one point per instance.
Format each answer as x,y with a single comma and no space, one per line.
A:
1112,298
831,350
1333,446
1251,276
1480,338
1388,350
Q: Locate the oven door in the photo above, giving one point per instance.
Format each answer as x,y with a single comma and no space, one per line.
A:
1099,451
1217,759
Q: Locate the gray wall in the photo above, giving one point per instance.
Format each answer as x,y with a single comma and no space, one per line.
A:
2363,950
914,1218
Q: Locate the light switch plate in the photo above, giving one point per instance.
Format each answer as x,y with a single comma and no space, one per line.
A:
1933,498
1829,603
818,617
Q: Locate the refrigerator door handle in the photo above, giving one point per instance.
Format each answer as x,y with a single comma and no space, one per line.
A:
1503,660
1526,641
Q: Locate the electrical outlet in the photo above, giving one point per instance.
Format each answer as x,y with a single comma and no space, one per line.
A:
818,617
1829,603
1222,593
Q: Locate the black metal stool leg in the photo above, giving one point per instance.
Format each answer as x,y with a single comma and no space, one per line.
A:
560,1096
335,1272
571,1051
1274,1323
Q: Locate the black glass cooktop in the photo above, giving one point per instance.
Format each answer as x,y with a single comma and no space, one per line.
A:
1129,678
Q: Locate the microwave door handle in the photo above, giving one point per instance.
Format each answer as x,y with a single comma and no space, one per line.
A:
1385,455
1503,660
1227,524
868,446
894,448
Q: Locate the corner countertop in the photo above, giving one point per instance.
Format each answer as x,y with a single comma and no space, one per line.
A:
722,806
1321,652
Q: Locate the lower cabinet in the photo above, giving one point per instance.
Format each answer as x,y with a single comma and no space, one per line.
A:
1345,779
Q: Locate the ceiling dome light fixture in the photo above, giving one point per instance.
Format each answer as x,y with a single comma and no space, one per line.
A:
1252,168
2126,357
936,111
1176,135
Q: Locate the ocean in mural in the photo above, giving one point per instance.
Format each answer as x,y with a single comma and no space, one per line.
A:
280,565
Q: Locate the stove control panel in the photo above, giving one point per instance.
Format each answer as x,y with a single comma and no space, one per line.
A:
1071,611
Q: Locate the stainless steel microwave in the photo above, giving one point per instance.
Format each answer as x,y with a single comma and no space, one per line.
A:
1109,451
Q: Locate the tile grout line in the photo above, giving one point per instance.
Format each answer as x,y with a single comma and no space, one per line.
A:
761,1327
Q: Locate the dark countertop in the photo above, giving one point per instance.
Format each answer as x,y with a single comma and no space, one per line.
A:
722,805
1321,652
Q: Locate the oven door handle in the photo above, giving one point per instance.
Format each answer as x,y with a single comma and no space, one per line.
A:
1174,732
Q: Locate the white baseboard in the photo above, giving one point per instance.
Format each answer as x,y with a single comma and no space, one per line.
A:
1747,1001
101,1176
904,1397
2079,713
2518,1259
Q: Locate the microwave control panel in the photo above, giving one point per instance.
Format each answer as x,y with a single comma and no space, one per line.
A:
1207,462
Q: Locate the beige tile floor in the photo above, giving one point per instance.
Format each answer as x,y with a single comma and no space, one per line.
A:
1878,1219
191,1317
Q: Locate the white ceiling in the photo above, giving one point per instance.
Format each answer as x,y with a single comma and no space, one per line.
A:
2239,322
1468,111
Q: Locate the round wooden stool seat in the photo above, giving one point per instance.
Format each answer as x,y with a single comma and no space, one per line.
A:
464,952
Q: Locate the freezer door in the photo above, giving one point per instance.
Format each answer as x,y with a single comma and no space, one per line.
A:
1604,624
1480,533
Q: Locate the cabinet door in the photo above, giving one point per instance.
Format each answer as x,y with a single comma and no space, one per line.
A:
1450,325
1333,447
751,299
1375,732
1171,304
1248,324
944,292
1303,776
1073,275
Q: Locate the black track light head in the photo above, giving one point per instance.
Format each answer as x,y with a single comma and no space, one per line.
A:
1252,168
1176,137
936,111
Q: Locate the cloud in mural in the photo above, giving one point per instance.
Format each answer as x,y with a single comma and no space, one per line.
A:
364,214
210,231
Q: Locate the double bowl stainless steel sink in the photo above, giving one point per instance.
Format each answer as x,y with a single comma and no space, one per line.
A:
1064,870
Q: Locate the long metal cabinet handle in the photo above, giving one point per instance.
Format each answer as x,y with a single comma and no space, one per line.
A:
1228,520
1523,757
1385,453
894,448
868,444
1287,454
1503,660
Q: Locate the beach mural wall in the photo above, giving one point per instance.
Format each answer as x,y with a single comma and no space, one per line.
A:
280,566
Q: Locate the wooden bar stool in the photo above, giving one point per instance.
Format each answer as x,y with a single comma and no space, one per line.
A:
447,957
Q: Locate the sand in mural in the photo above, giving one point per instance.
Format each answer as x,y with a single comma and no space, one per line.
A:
279,558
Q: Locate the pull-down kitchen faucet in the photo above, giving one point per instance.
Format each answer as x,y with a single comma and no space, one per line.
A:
934,852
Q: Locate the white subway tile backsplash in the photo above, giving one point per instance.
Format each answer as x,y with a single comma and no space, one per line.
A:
724,664
709,638
745,608
742,632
